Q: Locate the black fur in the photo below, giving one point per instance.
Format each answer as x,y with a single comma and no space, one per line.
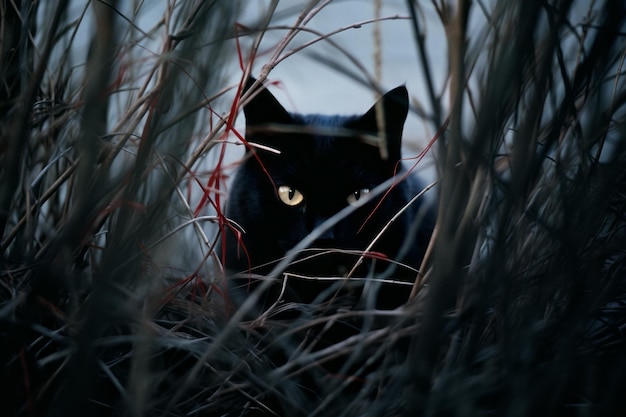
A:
326,158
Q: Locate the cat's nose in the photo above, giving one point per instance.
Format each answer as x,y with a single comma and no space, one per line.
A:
328,234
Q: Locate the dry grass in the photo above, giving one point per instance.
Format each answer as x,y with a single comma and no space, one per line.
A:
521,306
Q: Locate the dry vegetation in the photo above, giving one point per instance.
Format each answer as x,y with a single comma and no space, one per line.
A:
107,134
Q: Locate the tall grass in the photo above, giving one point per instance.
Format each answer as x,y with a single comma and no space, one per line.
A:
112,155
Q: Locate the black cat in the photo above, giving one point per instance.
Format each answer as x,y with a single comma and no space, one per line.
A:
319,165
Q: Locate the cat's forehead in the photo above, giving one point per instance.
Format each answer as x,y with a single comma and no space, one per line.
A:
330,151
320,161
322,120
328,137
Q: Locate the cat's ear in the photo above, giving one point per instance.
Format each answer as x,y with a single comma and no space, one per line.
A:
395,107
263,108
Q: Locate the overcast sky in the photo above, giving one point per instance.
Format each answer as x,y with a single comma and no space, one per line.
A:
311,86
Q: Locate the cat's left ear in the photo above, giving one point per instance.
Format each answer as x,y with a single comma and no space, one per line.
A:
263,108
395,107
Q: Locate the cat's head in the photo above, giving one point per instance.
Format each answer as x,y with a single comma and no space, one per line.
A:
266,118
301,169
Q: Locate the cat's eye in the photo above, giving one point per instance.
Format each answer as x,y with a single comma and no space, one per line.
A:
357,195
289,195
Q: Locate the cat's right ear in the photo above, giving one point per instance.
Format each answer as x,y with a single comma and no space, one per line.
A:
263,109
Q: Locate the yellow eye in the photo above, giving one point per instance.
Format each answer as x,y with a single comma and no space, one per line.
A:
357,195
290,196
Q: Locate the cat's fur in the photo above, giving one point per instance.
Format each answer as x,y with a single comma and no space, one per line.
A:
326,167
